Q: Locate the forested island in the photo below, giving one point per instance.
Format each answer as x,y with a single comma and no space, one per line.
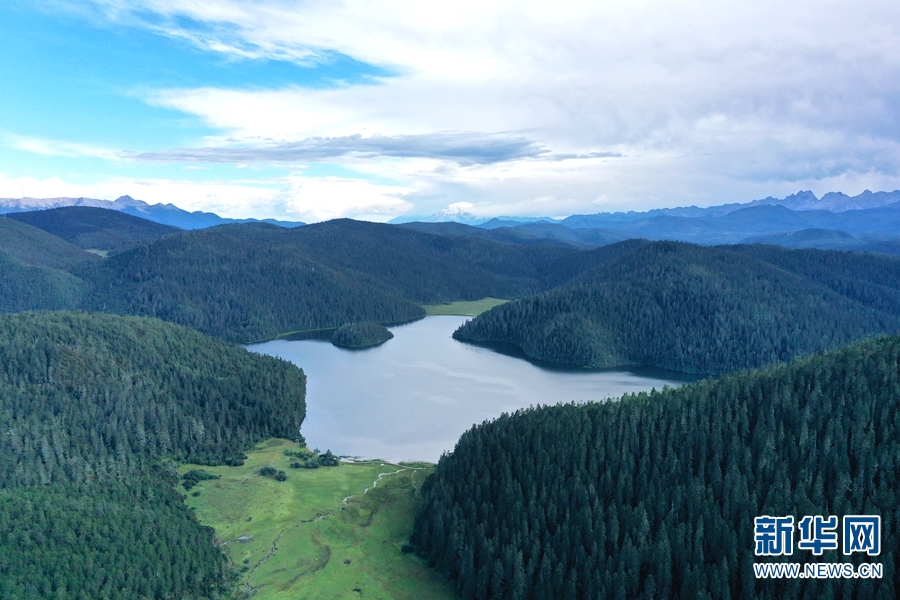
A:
360,335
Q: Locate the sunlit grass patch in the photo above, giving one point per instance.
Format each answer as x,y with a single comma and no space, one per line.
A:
317,534
471,308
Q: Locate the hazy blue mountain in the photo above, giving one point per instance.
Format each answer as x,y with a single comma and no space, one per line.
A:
830,239
751,222
460,216
834,202
169,214
508,235
807,238
615,220
534,232
590,238
870,218
166,214
497,222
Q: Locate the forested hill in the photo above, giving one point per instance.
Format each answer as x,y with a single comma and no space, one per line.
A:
241,283
91,406
253,282
94,228
428,268
86,395
655,496
528,233
33,246
700,310
35,269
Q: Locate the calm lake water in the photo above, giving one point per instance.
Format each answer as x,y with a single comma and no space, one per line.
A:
413,396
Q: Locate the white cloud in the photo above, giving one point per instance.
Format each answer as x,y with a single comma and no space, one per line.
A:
460,147
707,101
331,198
292,198
47,147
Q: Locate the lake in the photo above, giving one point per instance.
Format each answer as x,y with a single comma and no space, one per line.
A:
413,396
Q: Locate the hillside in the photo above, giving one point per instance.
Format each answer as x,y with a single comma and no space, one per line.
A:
243,284
831,239
428,268
655,495
29,287
452,228
527,233
114,393
31,245
34,270
253,282
94,228
700,310
94,406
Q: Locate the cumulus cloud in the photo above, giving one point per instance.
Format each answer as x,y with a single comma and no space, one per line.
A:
629,104
293,197
320,199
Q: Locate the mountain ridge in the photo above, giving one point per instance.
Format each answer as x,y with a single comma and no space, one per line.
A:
164,214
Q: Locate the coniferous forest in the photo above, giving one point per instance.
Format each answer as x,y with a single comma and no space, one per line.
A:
93,408
252,282
360,335
95,228
654,496
701,310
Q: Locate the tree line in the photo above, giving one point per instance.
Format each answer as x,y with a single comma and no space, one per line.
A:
93,409
655,496
701,310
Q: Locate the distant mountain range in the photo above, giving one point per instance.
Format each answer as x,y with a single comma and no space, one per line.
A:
801,201
166,214
868,222
833,202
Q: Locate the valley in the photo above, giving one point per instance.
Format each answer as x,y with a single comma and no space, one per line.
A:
595,419
321,533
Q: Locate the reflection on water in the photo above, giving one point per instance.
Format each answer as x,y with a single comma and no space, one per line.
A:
412,397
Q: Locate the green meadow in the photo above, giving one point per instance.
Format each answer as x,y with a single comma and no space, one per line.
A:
322,533
471,308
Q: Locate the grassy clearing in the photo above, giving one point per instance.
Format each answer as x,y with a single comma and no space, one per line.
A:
301,539
463,309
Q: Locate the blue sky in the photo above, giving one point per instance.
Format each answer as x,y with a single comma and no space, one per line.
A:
311,110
